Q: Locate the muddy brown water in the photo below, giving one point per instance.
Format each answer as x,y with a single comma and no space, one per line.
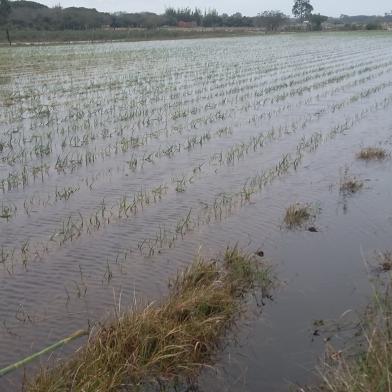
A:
74,117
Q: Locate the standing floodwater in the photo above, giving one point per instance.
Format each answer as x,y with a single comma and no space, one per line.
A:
117,161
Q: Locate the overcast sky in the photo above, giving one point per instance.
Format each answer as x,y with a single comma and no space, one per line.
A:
246,7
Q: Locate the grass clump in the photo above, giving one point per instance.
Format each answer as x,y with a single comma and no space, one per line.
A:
298,214
367,367
372,153
350,184
171,341
385,261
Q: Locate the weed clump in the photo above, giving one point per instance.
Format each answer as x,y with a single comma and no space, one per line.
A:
298,214
372,153
349,184
367,366
170,342
385,261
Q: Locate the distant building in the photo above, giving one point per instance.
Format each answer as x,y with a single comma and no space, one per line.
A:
187,25
387,26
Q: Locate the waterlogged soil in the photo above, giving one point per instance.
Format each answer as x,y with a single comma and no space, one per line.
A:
120,162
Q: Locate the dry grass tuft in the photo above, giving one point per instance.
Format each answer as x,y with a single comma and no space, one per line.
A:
169,342
372,153
298,214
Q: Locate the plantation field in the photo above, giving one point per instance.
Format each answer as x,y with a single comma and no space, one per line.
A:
119,160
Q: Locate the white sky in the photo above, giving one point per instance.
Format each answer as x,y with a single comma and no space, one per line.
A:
246,7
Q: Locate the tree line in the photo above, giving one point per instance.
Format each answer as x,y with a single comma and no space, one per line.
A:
22,14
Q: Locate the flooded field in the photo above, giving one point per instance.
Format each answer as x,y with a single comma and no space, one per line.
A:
119,162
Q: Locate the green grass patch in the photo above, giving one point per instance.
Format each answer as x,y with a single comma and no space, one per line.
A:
171,341
364,365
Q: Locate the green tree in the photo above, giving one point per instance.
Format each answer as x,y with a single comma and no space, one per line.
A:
272,20
302,9
212,19
5,10
316,20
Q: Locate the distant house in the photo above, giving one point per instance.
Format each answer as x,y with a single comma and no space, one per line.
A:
187,25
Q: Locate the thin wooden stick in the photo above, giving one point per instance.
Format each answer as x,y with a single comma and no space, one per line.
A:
46,350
